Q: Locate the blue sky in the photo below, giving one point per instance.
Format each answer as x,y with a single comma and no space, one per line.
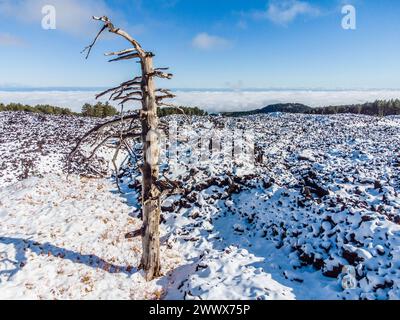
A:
207,44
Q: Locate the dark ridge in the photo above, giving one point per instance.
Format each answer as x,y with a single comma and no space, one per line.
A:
280,107
380,108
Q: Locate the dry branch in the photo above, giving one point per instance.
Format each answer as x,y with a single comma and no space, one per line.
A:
126,57
89,47
120,53
162,75
100,127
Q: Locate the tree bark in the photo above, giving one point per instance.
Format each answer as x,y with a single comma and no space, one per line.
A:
150,194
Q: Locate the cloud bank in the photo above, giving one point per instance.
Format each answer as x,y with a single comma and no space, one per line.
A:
213,101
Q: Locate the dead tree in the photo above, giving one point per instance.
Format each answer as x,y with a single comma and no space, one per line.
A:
139,89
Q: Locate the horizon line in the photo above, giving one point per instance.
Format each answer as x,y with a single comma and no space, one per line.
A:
200,89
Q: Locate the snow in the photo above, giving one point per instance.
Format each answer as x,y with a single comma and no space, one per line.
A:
231,275
64,239
317,218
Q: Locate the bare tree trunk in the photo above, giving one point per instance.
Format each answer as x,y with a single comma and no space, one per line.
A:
150,194
151,207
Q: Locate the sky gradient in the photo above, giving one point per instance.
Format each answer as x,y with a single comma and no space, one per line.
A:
207,44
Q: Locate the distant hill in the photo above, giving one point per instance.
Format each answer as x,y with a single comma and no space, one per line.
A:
380,108
279,107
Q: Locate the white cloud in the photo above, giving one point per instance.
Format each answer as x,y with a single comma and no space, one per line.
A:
205,41
285,11
213,101
72,16
219,101
10,40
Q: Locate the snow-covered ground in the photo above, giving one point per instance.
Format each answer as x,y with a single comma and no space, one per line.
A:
65,239
316,217
34,144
